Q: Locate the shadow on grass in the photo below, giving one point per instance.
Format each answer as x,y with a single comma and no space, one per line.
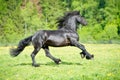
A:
70,63
50,63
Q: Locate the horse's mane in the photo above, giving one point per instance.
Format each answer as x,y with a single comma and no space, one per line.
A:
62,20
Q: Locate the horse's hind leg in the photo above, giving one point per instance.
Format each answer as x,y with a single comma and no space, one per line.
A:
46,49
33,56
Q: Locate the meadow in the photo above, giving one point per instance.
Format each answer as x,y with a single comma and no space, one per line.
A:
105,66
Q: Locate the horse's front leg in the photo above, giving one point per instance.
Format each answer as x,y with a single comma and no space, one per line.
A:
46,49
84,52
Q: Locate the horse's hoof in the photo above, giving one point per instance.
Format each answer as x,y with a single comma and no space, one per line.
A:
57,61
35,65
90,57
82,55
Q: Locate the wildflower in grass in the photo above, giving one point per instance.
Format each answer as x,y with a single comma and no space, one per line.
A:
110,74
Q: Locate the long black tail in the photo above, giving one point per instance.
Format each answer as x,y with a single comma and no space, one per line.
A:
22,44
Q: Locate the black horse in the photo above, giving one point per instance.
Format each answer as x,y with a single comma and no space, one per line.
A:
66,35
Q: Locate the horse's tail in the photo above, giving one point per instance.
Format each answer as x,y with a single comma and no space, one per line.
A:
22,44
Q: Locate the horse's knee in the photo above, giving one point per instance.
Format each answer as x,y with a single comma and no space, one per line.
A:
32,55
47,55
82,46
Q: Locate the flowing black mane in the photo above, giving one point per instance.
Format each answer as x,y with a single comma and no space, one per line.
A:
61,20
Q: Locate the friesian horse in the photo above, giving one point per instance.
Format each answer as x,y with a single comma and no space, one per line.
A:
66,35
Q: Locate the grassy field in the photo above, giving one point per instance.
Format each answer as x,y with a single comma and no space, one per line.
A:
105,66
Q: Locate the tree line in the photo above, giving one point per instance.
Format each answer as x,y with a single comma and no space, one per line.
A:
21,18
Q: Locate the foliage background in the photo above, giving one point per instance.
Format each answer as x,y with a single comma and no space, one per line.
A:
21,18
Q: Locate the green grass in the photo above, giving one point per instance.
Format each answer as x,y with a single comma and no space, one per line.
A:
105,66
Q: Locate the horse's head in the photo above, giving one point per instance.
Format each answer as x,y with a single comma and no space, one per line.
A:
70,19
81,19
77,16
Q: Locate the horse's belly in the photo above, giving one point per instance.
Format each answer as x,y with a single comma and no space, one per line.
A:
57,42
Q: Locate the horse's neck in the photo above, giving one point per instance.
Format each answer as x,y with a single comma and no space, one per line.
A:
71,24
